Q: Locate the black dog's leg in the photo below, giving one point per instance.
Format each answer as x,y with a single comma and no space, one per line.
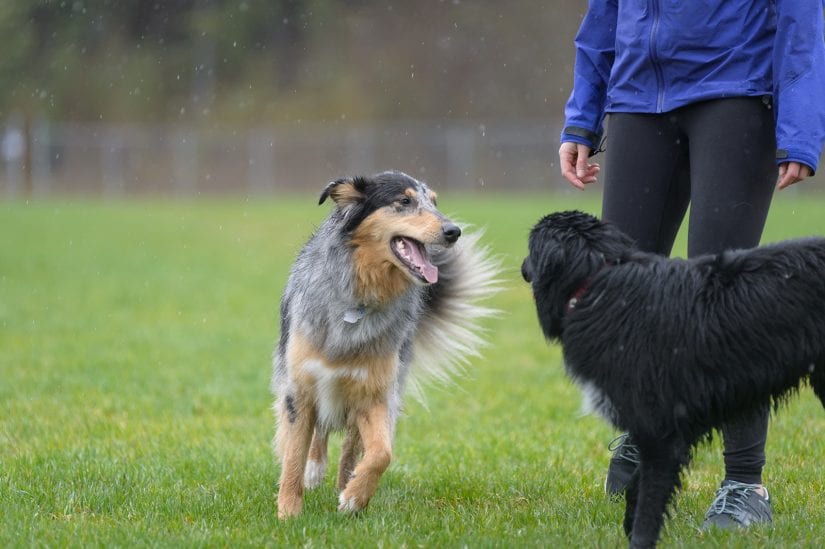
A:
659,478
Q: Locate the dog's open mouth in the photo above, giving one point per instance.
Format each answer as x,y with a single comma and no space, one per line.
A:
413,254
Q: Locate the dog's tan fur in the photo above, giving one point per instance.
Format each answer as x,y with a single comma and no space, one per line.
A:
380,275
367,422
344,193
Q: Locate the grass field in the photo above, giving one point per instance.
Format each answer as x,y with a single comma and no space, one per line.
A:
135,342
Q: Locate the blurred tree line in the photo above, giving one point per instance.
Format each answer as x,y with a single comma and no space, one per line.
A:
270,61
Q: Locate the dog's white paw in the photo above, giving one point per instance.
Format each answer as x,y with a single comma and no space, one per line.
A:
314,474
348,505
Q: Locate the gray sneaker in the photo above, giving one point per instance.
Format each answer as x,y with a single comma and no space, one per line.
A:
623,463
738,505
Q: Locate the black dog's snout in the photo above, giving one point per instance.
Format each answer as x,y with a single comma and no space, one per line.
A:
451,232
525,270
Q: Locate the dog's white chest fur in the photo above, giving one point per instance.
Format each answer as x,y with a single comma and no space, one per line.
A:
330,401
594,400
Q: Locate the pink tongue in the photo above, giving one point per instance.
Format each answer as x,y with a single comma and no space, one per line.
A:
428,270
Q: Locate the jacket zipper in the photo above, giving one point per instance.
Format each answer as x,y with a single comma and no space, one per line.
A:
654,58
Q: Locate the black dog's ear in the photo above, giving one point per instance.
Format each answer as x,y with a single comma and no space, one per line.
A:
548,258
344,191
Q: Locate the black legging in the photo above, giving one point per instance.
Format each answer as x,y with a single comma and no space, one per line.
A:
718,156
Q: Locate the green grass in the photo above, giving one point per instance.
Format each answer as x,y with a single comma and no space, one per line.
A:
135,343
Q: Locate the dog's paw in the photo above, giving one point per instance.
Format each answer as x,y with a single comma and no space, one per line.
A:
289,508
284,515
314,474
349,504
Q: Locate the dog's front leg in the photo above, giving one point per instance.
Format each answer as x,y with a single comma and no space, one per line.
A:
296,420
658,479
351,450
316,467
373,426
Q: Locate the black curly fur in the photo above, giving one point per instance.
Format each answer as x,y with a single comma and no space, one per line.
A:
670,349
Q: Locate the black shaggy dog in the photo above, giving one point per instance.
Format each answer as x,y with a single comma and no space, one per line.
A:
669,349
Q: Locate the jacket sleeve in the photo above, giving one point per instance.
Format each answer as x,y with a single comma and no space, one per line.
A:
595,49
799,81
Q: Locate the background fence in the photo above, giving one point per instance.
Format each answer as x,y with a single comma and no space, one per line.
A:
128,160
122,160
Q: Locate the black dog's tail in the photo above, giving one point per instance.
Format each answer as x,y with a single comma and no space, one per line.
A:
818,380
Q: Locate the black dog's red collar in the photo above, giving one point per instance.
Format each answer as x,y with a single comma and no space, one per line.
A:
582,289
577,295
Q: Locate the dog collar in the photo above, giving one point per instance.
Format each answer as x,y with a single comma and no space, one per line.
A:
576,296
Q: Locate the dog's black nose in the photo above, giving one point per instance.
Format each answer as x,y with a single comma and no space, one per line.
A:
525,270
451,232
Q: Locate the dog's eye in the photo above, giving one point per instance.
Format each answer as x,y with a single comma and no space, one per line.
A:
406,201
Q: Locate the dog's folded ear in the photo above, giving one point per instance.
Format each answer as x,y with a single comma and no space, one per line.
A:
344,191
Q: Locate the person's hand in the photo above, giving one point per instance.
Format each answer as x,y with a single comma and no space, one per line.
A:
790,173
574,167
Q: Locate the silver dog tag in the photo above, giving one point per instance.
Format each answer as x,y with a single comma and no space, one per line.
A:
354,315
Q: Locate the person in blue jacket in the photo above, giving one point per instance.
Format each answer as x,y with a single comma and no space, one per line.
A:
712,104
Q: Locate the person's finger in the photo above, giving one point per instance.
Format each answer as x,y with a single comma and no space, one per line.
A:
582,153
567,156
570,176
585,171
787,174
792,172
786,181
567,161
592,173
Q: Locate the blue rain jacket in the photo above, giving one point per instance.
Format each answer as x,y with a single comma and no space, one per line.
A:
653,56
